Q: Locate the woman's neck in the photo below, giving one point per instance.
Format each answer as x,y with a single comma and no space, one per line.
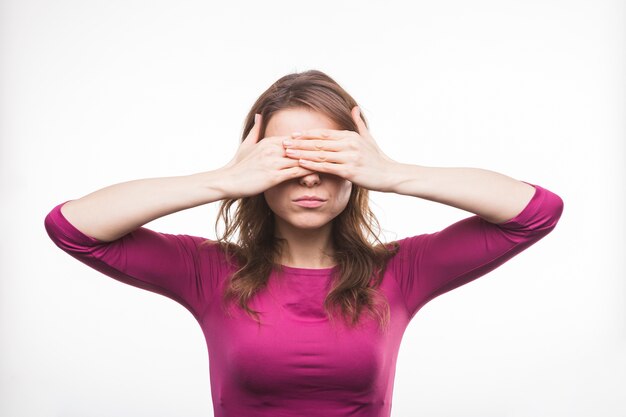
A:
307,248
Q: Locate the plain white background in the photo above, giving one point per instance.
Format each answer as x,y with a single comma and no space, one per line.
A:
98,92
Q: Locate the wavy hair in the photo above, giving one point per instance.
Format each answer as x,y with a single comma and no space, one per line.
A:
249,223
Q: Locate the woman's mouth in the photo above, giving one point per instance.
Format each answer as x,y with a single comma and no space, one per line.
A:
309,201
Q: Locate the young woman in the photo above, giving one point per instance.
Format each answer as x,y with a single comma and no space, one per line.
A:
303,308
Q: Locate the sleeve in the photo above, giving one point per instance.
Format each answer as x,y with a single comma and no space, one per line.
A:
429,265
176,266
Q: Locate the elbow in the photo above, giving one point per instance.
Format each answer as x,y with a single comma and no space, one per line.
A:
51,227
56,233
548,217
554,210
62,233
539,217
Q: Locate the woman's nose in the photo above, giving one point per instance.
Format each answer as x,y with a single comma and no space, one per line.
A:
310,179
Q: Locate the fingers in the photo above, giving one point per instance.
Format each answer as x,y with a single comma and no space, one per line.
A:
294,172
253,135
323,134
318,156
360,124
314,145
324,167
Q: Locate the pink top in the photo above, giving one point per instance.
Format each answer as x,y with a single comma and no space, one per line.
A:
296,364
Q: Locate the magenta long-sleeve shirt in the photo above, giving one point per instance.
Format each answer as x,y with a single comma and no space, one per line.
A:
296,363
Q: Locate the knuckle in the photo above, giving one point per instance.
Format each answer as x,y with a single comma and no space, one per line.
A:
297,173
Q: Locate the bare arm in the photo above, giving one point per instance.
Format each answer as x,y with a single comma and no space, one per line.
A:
113,211
491,195
357,158
116,210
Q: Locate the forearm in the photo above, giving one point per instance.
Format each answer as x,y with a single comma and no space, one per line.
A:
491,195
116,210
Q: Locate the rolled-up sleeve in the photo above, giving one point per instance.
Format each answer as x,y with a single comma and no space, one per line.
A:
429,265
180,267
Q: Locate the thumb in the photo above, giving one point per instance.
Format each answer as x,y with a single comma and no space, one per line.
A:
356,116
253,135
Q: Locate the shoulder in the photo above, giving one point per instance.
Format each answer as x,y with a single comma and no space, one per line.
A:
223,252
400,246
402,250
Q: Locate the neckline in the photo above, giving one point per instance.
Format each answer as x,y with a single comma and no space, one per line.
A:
306,271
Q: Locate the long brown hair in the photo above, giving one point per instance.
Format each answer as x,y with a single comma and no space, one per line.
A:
359,254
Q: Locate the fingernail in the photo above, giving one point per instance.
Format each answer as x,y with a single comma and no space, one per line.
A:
296,134
287,142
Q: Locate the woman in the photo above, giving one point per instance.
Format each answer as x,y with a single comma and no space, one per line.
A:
302,307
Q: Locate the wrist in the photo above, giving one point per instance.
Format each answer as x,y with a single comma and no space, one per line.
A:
403,178
213,185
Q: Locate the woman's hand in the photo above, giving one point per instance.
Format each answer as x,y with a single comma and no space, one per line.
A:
259,165
353,156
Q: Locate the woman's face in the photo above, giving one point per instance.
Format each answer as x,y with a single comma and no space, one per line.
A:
282,198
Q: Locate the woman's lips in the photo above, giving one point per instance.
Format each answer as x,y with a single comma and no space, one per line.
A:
310,203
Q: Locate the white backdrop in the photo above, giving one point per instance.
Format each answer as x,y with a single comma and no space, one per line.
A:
98,92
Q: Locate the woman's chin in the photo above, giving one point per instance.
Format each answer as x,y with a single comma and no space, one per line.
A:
309,223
